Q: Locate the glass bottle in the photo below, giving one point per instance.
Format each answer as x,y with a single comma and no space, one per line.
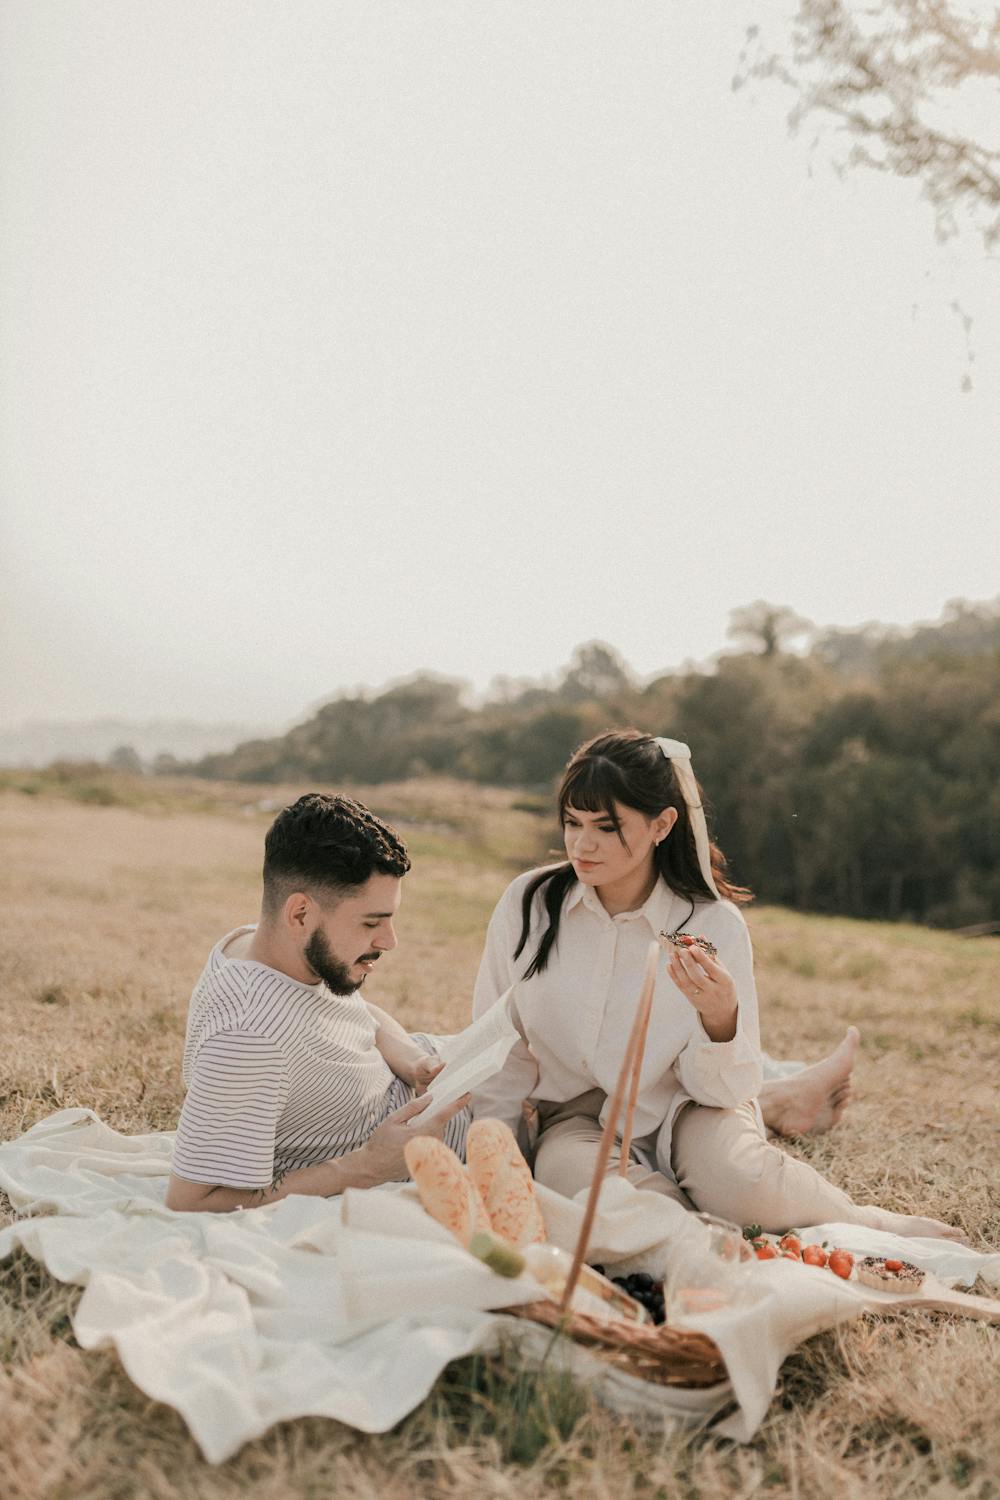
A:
705,1265
550,1266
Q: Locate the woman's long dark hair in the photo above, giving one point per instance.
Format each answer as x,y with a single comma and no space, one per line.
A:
627,767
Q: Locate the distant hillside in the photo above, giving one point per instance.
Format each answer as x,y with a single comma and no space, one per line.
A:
966,630
40,742
859,776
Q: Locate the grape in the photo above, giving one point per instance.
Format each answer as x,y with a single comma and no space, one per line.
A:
641,1287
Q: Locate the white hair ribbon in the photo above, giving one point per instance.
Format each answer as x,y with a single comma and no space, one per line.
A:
679,757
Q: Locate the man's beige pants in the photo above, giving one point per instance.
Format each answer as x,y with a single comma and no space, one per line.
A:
723,1162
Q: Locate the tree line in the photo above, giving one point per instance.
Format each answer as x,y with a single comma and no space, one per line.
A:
858,776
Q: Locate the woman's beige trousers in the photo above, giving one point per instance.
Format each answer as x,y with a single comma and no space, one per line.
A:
721,1158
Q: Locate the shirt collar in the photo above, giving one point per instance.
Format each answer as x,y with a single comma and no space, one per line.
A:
658,908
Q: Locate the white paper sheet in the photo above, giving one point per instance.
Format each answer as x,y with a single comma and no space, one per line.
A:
471,1057
494,1025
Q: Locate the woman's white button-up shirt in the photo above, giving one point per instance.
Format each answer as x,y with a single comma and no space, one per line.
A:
576,1015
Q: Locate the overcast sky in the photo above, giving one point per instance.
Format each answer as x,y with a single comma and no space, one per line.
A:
348,339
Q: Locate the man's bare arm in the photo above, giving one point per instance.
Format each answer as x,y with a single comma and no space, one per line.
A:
406,1059
388,1024
323,1180
379,1160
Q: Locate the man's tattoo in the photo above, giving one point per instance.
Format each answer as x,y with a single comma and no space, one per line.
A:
260,1194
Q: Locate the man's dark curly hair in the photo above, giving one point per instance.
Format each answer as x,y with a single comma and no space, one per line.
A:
330,845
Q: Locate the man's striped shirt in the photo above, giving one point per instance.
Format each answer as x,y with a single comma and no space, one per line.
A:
280,1075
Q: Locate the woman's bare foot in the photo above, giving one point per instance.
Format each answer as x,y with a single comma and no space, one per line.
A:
814,1100
912,1226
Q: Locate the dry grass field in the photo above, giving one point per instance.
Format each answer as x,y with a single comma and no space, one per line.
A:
113,891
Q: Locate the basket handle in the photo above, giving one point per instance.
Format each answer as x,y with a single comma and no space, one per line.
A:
628,1077
643,1011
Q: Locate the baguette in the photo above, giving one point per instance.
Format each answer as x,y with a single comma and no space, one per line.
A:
446,1190
503,1179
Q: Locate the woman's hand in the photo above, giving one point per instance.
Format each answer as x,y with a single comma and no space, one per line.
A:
709,987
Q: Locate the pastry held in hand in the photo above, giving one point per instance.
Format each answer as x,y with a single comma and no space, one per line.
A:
504,1180
446,1190
688,940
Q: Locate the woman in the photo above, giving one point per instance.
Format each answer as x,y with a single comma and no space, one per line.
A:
574,939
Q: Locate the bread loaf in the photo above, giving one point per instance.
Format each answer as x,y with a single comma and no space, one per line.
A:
503,1179
446,1189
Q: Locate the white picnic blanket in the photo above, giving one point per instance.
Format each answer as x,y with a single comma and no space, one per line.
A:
350,1308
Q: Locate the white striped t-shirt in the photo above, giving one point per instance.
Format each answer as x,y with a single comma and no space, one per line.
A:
280,1075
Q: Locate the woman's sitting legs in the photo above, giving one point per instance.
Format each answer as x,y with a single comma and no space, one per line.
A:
726,1166
568,1145
723,1165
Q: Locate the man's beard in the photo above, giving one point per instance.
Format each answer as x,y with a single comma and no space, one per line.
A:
323,961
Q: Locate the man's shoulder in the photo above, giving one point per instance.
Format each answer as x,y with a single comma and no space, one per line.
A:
236,994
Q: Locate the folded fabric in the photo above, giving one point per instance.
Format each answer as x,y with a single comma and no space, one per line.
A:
351,1307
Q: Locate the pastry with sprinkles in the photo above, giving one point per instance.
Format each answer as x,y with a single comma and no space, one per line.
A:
888,1275
688,940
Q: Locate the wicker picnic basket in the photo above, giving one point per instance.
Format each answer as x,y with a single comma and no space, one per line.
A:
662,1355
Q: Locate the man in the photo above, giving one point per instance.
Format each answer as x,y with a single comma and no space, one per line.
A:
295,1083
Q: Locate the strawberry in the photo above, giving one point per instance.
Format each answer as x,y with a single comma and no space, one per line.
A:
841,1263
